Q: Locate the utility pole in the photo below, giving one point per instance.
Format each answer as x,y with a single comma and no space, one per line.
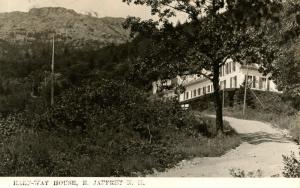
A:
223,97
52,73
245,92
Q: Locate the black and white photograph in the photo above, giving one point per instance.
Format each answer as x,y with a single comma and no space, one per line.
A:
149,89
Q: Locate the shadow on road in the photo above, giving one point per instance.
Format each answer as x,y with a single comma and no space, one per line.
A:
261,137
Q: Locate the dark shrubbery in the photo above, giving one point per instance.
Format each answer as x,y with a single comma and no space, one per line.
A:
276,108
102,129
272,102
291,166
239,173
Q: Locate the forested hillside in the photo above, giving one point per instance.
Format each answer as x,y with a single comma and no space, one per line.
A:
69,26
25,69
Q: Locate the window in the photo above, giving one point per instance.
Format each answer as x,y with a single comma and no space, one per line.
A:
195,93
229,67
226,68
264,80
235,81
224,84
233,66
230,82
208,89
187,95
259,83
262,83
249,80
268,85
199,91
212,88
204,90
254,82
223,70
220,71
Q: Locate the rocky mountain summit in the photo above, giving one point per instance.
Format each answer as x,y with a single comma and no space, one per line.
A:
68,25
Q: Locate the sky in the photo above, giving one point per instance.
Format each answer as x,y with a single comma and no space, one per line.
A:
113,8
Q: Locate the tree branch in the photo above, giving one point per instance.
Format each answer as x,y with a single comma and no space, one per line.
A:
200,73
224,61
207,76
175,8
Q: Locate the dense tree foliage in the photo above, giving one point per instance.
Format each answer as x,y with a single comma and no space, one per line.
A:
285,70
215,31
25,69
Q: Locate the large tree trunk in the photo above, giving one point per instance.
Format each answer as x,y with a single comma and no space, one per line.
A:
217,100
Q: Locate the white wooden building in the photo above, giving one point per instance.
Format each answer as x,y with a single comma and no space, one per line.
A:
232,76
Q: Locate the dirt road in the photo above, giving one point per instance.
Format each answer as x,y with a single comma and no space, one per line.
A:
262,149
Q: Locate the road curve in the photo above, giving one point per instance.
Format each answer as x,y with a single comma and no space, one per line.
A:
262,149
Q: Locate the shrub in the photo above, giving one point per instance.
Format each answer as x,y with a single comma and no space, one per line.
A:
291,166
238,173
9,126
275,103
278,110
101,129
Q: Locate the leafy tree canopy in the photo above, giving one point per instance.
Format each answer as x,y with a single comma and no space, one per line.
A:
216,31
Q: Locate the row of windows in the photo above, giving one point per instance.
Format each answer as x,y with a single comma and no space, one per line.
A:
232,83
198,92
210,89
227,68
258,82
253,82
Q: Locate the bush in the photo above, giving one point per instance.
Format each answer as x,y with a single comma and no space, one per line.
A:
275,103
207,147
238,173
101,129
9,126
277,109
291,166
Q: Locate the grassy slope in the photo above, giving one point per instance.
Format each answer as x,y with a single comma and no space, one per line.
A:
276,110
209,147
183,146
